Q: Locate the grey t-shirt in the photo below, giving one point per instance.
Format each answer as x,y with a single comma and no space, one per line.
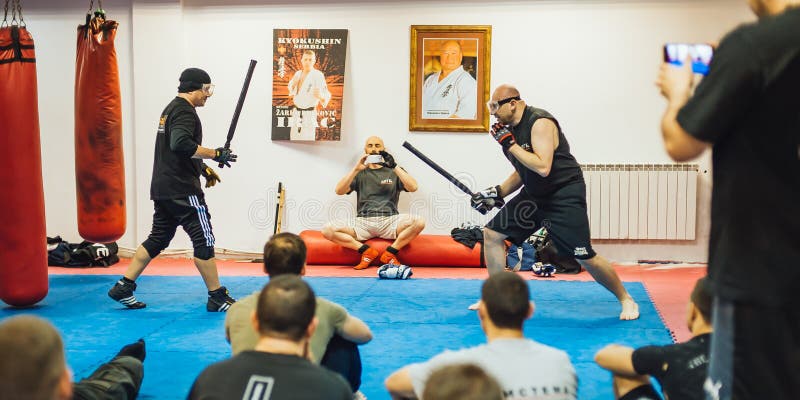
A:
378,191
525,369
243,337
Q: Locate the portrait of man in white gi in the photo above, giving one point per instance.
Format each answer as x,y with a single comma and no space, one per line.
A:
450,90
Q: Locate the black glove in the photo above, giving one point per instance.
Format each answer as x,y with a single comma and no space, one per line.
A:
502,134
487,199
224,156
388,160
211,177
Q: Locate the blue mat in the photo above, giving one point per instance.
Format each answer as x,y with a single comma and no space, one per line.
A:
412,320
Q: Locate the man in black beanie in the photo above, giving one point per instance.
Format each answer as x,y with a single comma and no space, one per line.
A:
176,192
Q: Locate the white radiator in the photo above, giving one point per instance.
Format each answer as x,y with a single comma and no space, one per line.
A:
642,201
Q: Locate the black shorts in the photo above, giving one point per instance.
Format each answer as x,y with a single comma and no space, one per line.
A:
189,212
644,392
563,214
755,351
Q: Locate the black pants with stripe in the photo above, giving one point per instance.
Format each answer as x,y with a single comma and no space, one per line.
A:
190,212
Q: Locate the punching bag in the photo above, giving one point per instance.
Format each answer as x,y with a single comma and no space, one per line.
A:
23,243
99,164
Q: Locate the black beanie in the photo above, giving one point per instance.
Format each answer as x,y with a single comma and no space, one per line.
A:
192,79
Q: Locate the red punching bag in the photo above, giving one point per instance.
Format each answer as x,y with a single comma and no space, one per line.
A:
23,243
99,165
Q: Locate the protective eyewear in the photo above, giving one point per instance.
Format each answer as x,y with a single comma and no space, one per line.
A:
495,105
208,88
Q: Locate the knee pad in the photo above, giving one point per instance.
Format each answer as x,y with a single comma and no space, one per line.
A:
153,248
204,252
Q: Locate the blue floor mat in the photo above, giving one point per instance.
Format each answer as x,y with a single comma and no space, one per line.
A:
412,320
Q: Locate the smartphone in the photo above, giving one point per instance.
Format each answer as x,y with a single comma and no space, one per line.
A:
374,159
701,53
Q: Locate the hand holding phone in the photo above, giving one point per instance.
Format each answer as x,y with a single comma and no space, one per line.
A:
700,54
374,159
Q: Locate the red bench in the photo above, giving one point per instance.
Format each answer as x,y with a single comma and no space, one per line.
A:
423,251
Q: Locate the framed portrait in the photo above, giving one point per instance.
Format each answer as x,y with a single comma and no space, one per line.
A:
449,85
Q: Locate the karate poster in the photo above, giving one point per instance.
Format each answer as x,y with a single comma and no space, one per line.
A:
308,83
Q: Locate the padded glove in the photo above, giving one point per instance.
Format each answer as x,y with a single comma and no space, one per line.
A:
394,271
502,134
224,156
388,160
211,177
487,199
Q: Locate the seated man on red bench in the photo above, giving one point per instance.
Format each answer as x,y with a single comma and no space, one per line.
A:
377,186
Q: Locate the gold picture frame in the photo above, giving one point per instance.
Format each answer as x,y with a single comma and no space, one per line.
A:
449,78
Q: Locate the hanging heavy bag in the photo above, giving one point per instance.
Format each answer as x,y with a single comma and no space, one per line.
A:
99,164
23,270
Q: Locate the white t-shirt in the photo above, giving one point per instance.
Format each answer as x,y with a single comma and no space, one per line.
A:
524,369
455,96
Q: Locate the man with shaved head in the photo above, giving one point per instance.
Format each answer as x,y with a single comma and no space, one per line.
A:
451,92
553,193
377,184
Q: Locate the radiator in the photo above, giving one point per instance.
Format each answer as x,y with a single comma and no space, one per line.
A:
642,201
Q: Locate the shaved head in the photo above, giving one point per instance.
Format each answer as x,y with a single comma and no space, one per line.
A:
374,145
505,91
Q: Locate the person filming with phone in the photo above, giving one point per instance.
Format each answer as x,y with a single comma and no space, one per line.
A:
747,109
377,180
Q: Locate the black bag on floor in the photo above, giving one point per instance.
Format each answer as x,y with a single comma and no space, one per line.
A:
85,254
546,253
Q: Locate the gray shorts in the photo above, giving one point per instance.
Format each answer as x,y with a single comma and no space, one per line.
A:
384,227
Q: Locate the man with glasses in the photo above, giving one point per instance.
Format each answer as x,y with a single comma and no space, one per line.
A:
176,193
553,193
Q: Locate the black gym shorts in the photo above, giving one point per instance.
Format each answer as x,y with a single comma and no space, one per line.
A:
563,214
189,212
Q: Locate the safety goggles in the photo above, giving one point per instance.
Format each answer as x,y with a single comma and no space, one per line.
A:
208,88
495,105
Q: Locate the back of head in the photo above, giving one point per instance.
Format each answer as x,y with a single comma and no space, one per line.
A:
284,253
461,382
507,300
702,299
285,308
32,361
192,79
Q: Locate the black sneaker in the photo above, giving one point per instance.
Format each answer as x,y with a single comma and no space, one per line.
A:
219,300
123,293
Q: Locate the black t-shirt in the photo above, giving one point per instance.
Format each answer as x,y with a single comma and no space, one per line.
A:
256,375
748,107
565,169
679,368
175,173
377,192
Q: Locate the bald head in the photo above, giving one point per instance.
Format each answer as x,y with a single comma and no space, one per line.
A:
450,57
374,145
765,8
505,91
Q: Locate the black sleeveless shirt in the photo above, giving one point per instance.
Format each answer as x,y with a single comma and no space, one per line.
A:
565,169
